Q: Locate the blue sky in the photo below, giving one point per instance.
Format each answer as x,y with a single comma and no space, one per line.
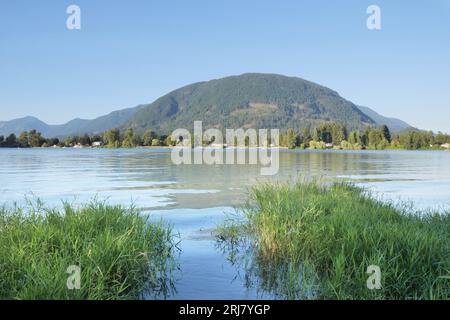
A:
132,52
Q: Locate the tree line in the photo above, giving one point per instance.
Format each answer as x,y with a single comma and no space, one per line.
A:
113,138
326,135
337,136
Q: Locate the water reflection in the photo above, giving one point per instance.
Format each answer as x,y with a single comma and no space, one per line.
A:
196,198
279,279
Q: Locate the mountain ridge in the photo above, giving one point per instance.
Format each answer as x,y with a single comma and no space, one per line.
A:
254,100
73,127
394,124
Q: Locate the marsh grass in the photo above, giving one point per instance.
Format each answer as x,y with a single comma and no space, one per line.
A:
330,234
121,254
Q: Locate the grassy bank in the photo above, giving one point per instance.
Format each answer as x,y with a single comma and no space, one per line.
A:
120,254
312,240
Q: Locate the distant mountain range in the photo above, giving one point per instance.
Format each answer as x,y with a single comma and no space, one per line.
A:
394,124
115,119
249,101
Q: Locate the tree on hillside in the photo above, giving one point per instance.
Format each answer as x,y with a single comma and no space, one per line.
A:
307,134
129,140
156,143
354,138
316,135
338,133
442,138
386,133
149,136
112,138
11,141
85,140
365,136
377,139
23,139
290,139
52,142
326,134
70,142
168,141
35,139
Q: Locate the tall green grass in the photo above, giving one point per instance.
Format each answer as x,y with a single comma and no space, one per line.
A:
311,240
121,254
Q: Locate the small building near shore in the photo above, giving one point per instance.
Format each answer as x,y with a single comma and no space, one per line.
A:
217,145
445,145
97,144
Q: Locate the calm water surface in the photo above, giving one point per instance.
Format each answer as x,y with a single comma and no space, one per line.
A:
196,198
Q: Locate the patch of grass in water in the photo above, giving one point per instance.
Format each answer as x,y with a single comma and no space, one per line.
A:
120,253
330,234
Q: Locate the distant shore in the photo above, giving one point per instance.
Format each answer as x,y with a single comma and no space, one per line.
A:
230,148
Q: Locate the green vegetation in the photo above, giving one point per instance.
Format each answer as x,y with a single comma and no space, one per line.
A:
26,139
252,100
255,100
326,135
121,254
309,116
337,136
312,240
110,139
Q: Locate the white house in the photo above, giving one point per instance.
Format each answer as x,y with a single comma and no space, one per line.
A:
97,144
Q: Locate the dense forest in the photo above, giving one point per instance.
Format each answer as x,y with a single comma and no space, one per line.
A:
326,135
251,100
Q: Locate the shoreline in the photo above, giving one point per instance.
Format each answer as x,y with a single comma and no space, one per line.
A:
228,148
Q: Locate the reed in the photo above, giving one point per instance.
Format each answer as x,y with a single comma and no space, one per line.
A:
121,255
331,234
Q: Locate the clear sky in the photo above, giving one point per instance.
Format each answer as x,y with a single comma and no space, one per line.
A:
132,52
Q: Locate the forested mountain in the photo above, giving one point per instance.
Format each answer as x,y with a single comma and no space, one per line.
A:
250,101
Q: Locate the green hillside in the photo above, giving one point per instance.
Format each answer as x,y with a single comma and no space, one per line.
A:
395,125
249,101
